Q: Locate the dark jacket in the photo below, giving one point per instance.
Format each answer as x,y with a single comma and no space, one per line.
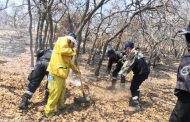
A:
36,76
183,76
44,55
135,61
115,59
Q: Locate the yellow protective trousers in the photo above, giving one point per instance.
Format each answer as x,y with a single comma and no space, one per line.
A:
56,98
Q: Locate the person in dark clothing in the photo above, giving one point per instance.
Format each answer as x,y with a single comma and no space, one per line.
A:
36,76
181,112
134,61
115,58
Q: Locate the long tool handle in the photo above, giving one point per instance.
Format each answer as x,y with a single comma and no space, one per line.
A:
82,88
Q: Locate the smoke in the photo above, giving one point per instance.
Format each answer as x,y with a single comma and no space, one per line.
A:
75,82
74,79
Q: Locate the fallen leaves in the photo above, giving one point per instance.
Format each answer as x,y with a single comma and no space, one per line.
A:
108,106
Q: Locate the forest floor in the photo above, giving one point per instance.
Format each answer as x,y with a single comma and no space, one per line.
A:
157,97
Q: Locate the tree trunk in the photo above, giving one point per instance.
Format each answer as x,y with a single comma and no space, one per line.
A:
71,28
55,31
85,38
37,32
85,18
41,29
91,51
30,31
51,24
84,45
47,41
51,31
102,58
45,33
93,46
79,38
14,19
119,41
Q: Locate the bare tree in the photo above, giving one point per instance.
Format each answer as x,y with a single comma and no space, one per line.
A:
84,19
126,24
98,26
30,31
44,11
86,37
6,4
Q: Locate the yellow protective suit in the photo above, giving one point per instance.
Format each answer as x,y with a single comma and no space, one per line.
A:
58,68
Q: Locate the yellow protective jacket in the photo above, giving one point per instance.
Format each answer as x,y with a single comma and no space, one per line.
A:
60,61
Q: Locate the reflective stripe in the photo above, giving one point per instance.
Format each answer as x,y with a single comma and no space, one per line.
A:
50,77
72,39
29,92
135,98
114,78
62,66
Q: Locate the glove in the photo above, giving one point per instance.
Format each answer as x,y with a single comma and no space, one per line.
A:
74,49
78,70
121,72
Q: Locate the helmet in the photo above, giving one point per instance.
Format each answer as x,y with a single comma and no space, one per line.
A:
129,44
73,35
39,53
110,51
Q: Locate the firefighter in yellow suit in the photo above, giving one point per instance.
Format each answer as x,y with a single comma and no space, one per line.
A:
58,68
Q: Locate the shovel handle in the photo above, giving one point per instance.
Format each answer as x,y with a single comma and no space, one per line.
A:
82,88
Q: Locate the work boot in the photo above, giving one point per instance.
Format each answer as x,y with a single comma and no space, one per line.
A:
122,86
50,115
112,87
24,103
46,96
134,102
122,82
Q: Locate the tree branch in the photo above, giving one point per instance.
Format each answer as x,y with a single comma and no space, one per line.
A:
5,5
86,10
89,15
